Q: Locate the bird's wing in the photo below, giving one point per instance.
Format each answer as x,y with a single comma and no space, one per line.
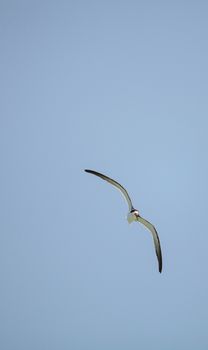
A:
155,239
114,183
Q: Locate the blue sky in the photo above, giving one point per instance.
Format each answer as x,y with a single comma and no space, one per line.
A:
119,87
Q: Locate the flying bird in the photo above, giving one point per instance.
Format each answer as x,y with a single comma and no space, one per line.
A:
134,215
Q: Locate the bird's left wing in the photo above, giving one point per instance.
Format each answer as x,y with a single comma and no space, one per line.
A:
155,239
115,184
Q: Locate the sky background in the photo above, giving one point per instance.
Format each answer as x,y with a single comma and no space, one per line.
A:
119,87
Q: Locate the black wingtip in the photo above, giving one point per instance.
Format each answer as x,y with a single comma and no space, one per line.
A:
93,172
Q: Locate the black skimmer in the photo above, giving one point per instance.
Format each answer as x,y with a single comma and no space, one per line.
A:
134,215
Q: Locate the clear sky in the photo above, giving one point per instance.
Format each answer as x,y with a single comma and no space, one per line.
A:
119,87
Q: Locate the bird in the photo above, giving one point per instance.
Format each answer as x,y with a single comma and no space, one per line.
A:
134,215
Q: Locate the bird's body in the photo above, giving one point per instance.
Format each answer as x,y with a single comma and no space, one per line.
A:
133,214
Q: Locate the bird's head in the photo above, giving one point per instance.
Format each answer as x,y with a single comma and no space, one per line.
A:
135,213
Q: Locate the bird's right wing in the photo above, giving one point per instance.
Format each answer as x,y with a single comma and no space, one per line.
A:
155,239
115,184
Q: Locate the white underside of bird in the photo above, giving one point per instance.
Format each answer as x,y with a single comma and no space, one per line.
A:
133,214
131,217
